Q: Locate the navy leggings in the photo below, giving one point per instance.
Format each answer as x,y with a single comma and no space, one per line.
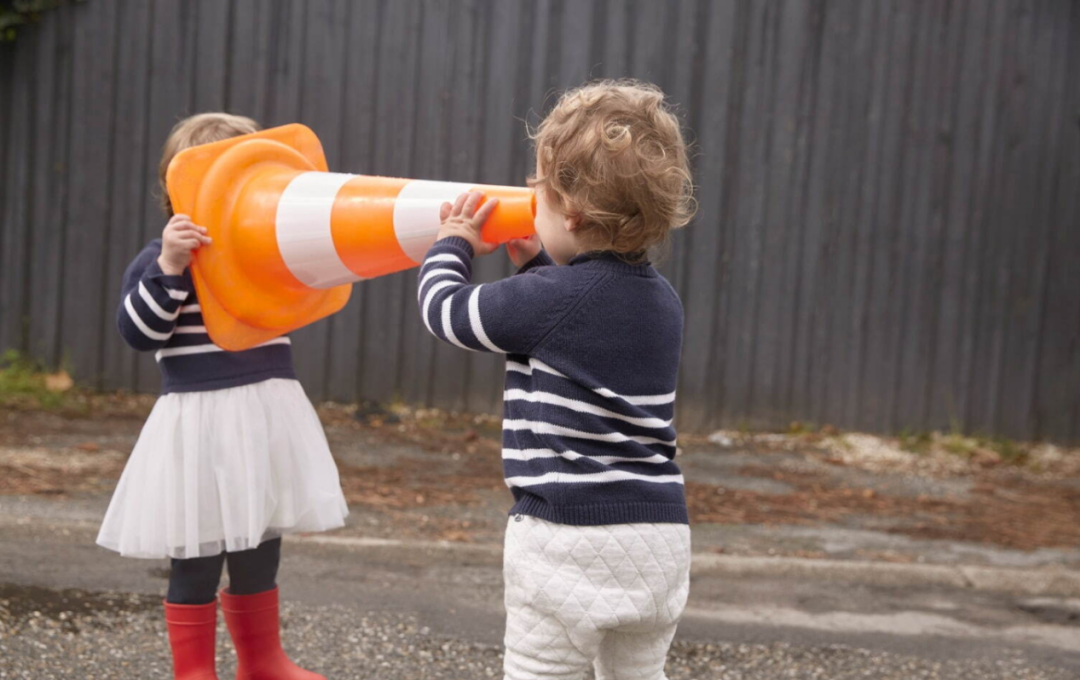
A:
195,581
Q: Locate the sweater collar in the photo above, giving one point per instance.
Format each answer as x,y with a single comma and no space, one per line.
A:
605,259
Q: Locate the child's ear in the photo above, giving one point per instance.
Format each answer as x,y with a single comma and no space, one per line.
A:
571,222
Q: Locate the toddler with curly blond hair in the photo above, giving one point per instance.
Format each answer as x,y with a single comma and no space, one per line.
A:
597,558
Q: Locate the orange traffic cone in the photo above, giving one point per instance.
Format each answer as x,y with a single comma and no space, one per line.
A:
289,237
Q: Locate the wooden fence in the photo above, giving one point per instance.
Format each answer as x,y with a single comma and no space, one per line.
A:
888,235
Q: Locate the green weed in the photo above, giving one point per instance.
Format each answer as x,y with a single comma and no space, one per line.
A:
23,382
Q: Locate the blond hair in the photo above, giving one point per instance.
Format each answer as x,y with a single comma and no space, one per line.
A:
201,128
612,154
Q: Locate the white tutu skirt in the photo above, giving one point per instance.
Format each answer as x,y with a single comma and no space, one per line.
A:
224,470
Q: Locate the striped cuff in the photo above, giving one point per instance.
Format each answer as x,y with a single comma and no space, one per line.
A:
458,243
172,283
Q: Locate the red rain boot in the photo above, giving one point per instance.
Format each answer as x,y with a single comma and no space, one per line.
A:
254,625
192,631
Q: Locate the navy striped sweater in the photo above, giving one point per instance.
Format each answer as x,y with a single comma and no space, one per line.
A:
592,361
160,313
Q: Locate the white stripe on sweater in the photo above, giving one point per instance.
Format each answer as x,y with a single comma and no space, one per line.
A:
178,294
430,296
447,326
137,320
154,306
539,427
190,309
444,257
642,400
477,324
580,407
191,329
207,349
592,477
434,273
532,454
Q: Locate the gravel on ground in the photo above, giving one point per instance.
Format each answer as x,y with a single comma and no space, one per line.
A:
61,635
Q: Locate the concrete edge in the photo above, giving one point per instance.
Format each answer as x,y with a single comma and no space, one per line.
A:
1031,582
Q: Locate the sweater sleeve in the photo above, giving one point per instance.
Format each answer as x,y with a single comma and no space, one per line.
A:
510,316
150,301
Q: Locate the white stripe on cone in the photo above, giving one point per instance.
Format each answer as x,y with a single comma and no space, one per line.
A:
416,214
303,229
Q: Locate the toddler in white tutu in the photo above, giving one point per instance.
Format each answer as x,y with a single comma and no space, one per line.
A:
232,457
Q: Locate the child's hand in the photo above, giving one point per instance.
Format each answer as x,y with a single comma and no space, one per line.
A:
523,250
464,220
179,240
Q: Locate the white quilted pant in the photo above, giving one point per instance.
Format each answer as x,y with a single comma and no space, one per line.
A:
609,596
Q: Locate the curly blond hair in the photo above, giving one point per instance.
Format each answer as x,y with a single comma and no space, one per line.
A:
201,128
612,154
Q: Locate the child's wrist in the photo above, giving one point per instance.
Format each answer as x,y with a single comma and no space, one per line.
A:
168,268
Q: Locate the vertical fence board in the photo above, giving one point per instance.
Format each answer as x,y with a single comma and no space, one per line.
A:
705,336
844,163
248,58
960,135
1057,397
92,129
991,299
980,210
916,267
17,206
791,148
131,178
7,78
49,181
888,172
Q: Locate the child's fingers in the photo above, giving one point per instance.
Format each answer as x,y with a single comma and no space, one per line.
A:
188,228
445,210
458,204
471,201
485,211
182,228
